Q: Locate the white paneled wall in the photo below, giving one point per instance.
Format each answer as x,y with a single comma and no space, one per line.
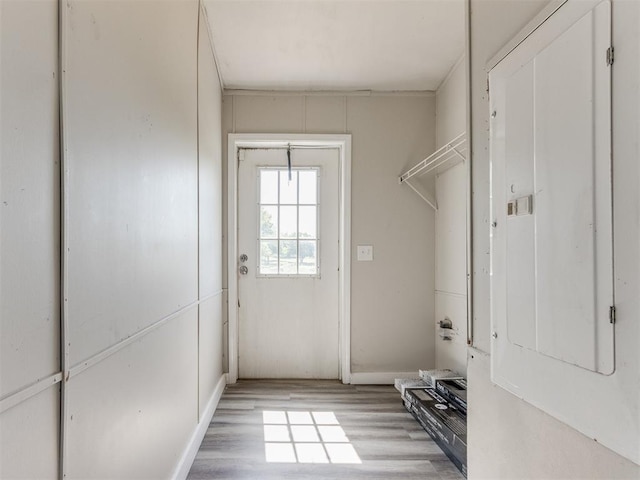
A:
31,426
29,240
451,104
141,201
131,415
131,171
451,224
392,299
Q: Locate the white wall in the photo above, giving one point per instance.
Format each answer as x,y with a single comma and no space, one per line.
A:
509,438
29,245
210,220
451,103
143,230
451,224
392,299
142,278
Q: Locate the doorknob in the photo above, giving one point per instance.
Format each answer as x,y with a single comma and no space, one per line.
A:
243,258
244,270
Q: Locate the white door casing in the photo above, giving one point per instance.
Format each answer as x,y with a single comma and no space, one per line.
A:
343,144
288,246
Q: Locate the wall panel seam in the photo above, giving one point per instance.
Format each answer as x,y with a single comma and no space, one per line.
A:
25,393
469,173
102,355
198,221
345,112
304,114
233,113
64,239
209,296
451,294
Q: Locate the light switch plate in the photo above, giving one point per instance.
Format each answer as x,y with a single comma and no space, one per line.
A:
365,253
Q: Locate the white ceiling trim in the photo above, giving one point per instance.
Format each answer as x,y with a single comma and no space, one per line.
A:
207,24
329,93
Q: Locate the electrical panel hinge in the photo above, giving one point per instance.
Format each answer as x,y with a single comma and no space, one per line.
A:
609,56
612,314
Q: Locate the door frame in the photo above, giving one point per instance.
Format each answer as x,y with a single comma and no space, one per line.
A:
343,143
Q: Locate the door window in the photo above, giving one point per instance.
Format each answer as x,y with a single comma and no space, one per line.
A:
288,222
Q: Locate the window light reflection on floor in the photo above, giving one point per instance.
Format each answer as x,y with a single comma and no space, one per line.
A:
306,437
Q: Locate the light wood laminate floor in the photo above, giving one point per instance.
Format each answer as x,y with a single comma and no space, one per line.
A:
298,429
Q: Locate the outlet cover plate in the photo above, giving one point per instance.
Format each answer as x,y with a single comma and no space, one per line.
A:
365,253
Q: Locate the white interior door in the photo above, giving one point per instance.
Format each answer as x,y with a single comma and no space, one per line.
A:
288,231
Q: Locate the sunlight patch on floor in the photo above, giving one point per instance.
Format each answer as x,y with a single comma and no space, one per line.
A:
306,437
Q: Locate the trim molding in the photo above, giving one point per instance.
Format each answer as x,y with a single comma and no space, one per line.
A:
63,11
380,378
329,93
209,296
468,165
528,29
189,454
341,141
451,294
205,16
107,352
19,396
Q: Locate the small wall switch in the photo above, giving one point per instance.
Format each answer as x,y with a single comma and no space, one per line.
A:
365,253
524,205
520,206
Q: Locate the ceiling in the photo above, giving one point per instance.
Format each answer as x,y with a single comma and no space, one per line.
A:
382,45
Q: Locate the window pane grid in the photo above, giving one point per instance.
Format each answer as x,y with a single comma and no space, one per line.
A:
288,230
306,437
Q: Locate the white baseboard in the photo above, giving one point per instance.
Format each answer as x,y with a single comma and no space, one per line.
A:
379,378
190,452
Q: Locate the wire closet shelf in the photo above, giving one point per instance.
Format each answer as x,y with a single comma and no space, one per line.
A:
442,159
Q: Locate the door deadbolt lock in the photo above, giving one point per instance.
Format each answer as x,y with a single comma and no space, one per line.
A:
244,258
244,270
